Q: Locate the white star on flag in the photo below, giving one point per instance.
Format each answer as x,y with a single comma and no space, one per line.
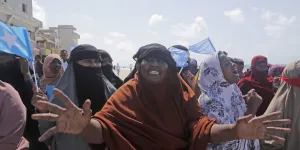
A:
9,39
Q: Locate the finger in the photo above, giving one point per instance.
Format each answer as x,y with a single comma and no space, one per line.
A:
37,98
63,98
256,94
35,88
49,133
246,118
38,91
45,116
251,92
249,117
51,107
276,123
271,116
40,97
274,130
273,137
87,108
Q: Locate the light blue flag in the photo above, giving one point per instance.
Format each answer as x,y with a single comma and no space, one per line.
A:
15,40
49,91
203,47
180,56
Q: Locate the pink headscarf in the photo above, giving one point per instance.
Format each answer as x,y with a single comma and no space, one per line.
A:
49,77
12,116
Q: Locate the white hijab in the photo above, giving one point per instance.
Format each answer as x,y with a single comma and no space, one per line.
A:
222,101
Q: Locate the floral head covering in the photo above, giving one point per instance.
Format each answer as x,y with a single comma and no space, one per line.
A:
222,101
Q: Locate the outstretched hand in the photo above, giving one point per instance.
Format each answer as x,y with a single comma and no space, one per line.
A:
263,127
70,120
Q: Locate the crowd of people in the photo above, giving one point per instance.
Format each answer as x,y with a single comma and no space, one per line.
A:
212,105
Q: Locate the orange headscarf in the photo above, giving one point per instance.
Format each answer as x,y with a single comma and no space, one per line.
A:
49,77
154,117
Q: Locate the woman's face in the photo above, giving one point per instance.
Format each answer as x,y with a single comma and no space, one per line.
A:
153,70
261,66
89,62
55,66
277,72
228,69
107,63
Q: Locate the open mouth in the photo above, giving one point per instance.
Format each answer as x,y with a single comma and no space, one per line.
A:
154,72
235,71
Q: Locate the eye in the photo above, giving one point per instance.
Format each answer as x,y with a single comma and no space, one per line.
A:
98,61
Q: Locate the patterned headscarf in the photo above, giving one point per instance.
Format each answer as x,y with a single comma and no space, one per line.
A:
221,100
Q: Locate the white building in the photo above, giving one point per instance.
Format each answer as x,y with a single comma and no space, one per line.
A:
48,41
19,13
67,36
51,34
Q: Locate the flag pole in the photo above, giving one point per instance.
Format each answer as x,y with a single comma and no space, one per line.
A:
180,70
34,73
196,78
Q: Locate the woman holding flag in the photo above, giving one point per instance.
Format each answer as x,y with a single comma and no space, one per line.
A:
15,71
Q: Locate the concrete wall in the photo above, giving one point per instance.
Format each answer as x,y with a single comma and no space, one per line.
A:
13,9
17,5
67,37
20,18
66,40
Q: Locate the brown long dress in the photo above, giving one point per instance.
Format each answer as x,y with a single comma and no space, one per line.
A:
166,116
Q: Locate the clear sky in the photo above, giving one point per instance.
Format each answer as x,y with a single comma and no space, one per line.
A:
243,28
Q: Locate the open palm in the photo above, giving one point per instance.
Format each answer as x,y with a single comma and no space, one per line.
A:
70,120
262,127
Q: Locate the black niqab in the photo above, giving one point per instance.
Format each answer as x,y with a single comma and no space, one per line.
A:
107,69
11,73
89,80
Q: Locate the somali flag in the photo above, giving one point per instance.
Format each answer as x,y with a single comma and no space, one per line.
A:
203,47
15,40
180,56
